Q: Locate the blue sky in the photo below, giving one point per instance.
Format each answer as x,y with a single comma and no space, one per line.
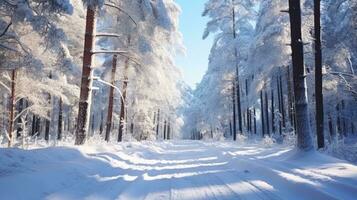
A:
192,25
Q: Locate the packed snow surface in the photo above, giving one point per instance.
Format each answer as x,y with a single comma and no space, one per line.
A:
174,170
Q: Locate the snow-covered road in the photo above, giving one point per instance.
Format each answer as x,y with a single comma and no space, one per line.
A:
174,170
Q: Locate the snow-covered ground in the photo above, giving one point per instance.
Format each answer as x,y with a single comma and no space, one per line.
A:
174,170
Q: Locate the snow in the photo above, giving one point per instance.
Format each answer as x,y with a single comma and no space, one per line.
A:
174,170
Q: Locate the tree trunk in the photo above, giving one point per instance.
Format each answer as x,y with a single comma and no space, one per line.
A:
169,130
262,112
272,111
157,123
19,110
291,99
255,122
60,120
123,100
12,106
318,77
111,100
239,105
282,101
300,89
93,124
280,107
234,112
240,126
86,84
47,121
101,123
165,130
267,112
230,128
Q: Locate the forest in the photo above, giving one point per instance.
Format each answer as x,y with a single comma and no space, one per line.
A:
93,104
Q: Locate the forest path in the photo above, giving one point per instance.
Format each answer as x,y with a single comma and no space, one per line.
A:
174,170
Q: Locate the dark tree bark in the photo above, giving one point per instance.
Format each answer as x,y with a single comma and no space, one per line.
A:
339,126
262,112
20,107
47,121
282,101
230,128
169,130
272,112
158,123
246,87
291,100
12,106
331,128
279,103
237,84
234,112
132,128
239,105
165,130
318,77
33,125
60,120
267,112
255,122
299,75
93,124
101,123
111,101
86,92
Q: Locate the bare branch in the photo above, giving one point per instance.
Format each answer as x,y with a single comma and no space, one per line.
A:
5,86
121,10
108,35
6,29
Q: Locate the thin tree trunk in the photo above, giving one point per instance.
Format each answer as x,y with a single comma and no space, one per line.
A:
239,105
290,97
240,125
262,112
280,107
165,130
123,100
267,112
60,120
230,128
93,124
300,89
19,110
12,106
86,84
101,123
111,100
234,112
47,121
158,123
318,77
255,122
282,101
169,130
272,111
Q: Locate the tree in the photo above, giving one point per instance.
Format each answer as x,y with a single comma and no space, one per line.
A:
318,77
86,83
111,100
303,130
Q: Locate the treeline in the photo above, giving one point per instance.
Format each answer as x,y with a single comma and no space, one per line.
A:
88,69
271,74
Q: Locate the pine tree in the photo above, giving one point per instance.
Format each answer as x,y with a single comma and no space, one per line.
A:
318,77
303,130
